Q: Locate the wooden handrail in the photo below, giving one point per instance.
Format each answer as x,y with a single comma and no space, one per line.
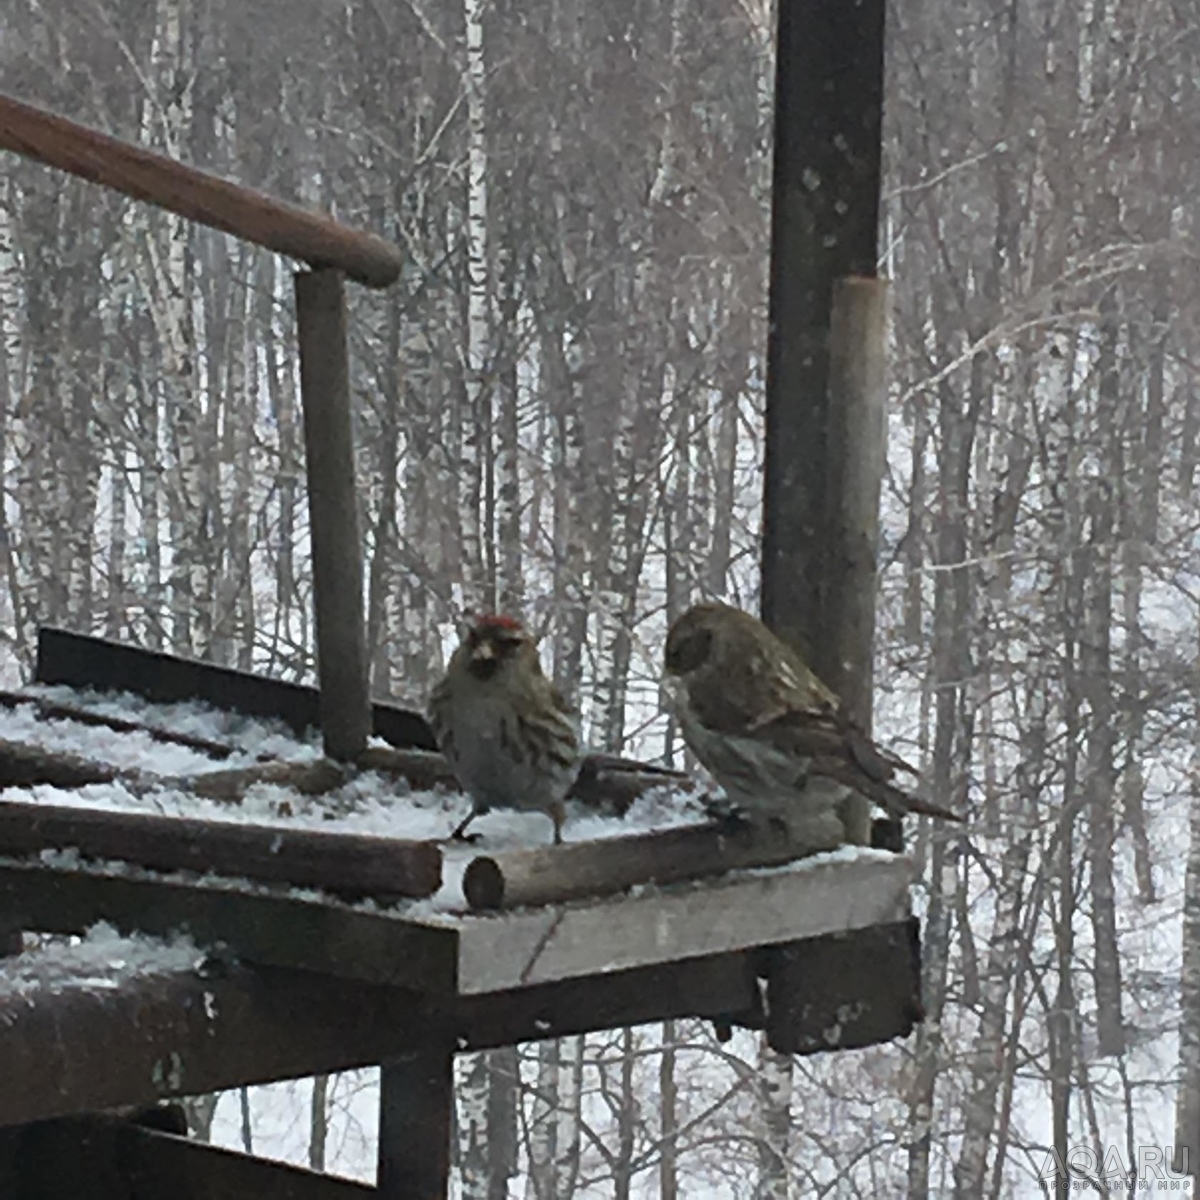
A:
285,228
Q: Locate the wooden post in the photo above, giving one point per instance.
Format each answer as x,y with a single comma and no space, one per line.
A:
416,1105
824,215
857,451
333,512
825,349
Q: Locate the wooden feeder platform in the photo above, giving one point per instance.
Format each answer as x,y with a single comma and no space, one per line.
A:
321,951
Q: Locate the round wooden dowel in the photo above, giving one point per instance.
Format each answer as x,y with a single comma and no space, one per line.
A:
554,874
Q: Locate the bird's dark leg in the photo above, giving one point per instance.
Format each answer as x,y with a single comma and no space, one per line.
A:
460,834
557,812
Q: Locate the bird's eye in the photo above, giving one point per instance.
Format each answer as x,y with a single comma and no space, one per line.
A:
689,652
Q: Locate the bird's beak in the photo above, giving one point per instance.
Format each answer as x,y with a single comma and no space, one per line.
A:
484,651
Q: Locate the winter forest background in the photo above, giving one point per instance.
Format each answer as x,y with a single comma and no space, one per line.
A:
559,412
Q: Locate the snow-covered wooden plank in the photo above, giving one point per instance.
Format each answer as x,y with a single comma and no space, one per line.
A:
831,893
276,929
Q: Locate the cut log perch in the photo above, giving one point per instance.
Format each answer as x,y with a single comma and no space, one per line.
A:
554,874
312,778
22,765
342,863
196,195
608,784
613,788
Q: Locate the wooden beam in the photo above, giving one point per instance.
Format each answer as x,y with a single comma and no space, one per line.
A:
343,863
556,874
84,1049
79,660
808,899
416,1110
106,1158
278,930
162,1164
869,992
824,216
337,559
196,195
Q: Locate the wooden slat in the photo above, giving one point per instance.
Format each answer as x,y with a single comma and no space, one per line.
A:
84,1049
196,195
161,1164
337,560
105,1158
556,874
81,661
278,930
809,899
345,863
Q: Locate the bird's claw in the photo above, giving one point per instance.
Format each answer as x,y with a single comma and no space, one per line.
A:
728,816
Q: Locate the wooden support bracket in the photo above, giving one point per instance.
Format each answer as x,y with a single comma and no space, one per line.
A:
841,992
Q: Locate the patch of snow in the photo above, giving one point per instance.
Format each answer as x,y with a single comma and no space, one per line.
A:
100,960
247,736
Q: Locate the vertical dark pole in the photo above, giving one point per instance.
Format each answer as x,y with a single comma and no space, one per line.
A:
824,217
333,512
416,1098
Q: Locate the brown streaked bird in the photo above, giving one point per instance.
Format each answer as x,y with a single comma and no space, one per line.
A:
502,726
773,735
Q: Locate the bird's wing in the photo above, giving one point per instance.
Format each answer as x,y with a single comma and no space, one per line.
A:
560,702
840,750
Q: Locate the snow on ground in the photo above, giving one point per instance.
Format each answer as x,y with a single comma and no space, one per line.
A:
101,960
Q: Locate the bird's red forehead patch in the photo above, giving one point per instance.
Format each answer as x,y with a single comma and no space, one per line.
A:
497,621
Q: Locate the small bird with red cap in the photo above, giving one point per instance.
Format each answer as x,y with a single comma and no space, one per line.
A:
502,726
